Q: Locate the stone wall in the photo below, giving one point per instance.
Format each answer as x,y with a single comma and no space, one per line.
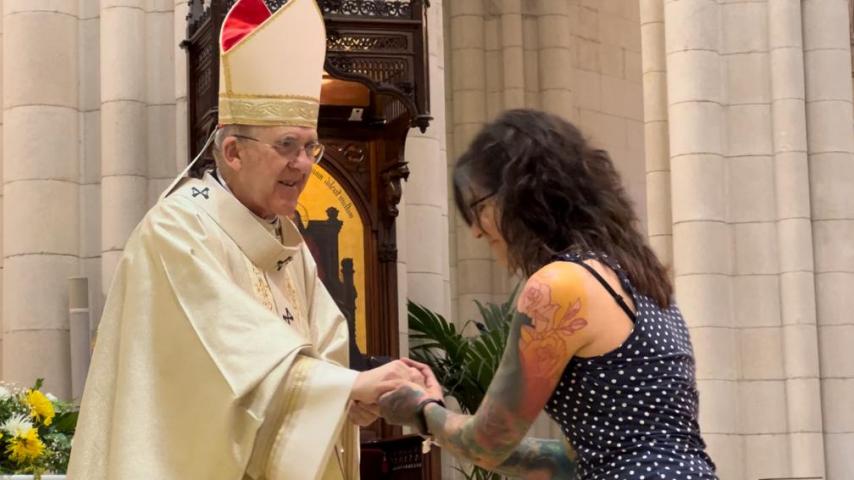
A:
91,110
579,59
422,229
749,173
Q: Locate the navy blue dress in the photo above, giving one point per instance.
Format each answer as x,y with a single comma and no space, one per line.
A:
631,414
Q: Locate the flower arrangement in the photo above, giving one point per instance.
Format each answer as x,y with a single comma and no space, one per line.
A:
35,431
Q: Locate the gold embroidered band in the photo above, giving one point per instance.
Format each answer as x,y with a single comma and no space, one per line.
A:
268,111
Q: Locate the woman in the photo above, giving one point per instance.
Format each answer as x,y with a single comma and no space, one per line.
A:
597,340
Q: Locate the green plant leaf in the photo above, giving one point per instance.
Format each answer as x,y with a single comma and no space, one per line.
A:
65,423
463,365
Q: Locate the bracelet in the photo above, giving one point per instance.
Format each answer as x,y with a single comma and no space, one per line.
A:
423,430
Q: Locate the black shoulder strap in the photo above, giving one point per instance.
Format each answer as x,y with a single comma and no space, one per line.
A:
617,296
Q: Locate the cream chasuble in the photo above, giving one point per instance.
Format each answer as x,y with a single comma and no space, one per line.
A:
220,354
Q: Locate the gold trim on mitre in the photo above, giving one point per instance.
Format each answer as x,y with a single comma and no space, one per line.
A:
266,111
273,75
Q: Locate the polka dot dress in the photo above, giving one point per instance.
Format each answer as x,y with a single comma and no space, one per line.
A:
631,414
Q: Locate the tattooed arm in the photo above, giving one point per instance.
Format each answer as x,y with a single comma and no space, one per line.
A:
540,459
549,328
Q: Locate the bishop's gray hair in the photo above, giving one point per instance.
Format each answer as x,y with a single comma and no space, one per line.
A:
224,132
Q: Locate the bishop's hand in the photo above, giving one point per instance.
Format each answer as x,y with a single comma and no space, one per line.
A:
371,384
363,414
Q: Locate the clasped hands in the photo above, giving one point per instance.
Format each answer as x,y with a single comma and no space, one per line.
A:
393,391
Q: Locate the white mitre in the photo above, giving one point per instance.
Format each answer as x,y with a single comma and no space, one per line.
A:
271,64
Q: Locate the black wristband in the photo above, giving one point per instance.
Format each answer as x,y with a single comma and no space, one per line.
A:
423,430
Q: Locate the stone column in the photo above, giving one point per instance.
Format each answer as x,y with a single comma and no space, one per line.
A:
450,158
402,276
827,67
426,194
530,54
493,87
492,81
124,162
753,221
510,94
702,252
512,55
555,57
41,190
794,239
656,140
90,153
468,70
761,212
467,112
179,25
2,258
161,54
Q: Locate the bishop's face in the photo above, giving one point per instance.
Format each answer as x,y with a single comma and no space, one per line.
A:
270,168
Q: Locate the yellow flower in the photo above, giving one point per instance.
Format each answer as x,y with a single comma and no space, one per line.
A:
40,407
25,448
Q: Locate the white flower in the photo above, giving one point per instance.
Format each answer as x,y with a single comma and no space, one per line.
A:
17,425
51,397
4,393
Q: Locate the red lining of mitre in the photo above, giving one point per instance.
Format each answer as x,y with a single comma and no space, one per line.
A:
244,17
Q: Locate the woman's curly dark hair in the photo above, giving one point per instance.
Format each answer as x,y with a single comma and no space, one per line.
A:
555,194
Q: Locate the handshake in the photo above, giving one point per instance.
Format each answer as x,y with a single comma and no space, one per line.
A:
393,391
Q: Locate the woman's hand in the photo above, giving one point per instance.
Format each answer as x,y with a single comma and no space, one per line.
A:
400,406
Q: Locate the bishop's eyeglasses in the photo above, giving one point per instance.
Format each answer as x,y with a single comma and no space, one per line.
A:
290,149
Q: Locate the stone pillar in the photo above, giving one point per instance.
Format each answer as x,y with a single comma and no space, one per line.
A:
179,25
493,85
402,276
512,55
761,211
794,238
41,190
90,153
827,67
531,57
555,57
492,81
426,195
656,140
702,252
161,54
468,70
510,94
753,219
450,158
124,162
467,113
2,258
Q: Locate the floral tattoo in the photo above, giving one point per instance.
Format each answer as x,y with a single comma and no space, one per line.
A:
544,336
